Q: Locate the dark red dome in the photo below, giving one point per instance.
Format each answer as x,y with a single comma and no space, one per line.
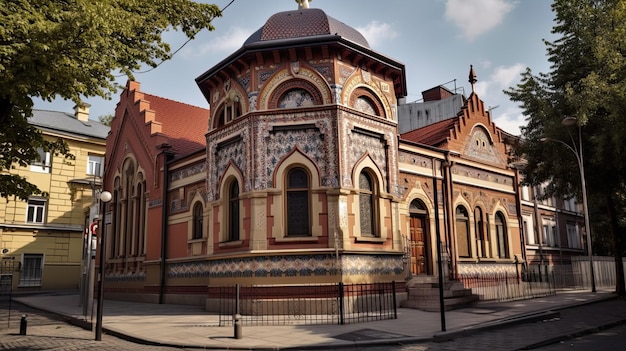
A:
304,23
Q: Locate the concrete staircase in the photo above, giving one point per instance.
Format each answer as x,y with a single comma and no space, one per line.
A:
423,294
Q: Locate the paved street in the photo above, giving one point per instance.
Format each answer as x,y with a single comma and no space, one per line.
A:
47,331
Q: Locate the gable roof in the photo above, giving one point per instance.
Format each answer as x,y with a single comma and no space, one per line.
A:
185,125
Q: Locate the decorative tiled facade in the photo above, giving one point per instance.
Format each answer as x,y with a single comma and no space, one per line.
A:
290,266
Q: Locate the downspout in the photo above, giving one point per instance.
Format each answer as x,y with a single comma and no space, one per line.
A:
167,156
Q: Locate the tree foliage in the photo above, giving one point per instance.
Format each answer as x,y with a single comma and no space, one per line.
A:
72,49
587,80
106,119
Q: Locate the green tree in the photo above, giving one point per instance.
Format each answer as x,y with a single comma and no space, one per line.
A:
588,81
106,119
72,49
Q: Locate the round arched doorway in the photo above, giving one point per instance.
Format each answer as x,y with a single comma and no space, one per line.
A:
419,244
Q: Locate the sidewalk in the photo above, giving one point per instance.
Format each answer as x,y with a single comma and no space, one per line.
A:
191,326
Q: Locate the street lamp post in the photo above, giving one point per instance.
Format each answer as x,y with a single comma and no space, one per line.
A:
105,197
578,152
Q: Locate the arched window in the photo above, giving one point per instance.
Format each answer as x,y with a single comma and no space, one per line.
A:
501,236
367,208
298,222
463,246
197,221
233,212
482,237
228,112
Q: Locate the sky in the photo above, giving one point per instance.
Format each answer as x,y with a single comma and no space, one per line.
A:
436,40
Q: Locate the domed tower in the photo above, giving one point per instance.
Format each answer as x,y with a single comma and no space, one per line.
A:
302,175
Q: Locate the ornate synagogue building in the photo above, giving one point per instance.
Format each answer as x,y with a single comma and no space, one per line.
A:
298,174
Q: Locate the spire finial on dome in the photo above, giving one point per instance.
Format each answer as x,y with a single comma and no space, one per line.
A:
472,77
303,4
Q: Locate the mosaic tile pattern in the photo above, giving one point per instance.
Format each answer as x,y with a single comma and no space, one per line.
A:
361,144
244,81
316,144
124,276
489,268
353,151
217,160
188,171
289,266
481,174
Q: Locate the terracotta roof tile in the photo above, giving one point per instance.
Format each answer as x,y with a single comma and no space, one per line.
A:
435,134
185,125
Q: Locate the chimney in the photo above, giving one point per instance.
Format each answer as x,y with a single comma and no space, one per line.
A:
81,111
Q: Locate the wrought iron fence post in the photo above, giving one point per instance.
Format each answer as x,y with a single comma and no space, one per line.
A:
393,291
341,307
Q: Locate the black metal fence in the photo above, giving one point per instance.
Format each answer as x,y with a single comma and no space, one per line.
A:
307,304
510,286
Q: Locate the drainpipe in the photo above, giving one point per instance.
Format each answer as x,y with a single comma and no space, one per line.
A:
166,159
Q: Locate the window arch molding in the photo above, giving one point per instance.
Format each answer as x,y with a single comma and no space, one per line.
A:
462,231
368,199
129,209
294,160
501,235
231,107
364,94
286,79
231,224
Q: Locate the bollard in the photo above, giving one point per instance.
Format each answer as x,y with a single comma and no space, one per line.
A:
23,324
237,324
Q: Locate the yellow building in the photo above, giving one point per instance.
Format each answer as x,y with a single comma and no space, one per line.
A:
41,239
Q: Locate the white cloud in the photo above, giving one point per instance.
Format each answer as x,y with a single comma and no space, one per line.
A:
377,32
504,77
227,43
509,120
477,16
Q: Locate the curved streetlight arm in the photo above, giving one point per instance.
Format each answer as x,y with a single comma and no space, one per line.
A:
581,167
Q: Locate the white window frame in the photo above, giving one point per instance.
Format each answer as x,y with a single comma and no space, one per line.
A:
38,206
550,237
44,164
529,229
30,274
525,193
94,165
573,236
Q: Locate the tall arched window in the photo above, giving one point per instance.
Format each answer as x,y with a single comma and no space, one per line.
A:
463,246
233,212
482,237
501,236
197,221
298,222
367,208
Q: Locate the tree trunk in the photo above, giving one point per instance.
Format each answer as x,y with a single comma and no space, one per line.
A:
620,288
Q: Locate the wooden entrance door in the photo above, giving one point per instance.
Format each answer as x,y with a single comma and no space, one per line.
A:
419,252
